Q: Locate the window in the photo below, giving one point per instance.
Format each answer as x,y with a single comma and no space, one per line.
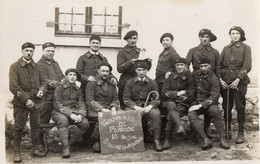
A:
106,21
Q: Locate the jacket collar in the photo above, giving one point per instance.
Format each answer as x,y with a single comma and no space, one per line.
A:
100,81
237,44
68,85
183,76
47,61
147,80
207,47
205,75
128,49
23,63
89,54
168,51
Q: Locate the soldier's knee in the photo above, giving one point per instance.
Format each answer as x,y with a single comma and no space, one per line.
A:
63,124
171,106
84,125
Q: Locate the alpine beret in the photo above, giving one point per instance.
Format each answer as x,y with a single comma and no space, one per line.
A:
207,31
181,60
166,35
28,45
73,70
147,64
130,33
95,37
48,44
240,30
105,64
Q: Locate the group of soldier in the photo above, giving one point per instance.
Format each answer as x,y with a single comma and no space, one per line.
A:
43,91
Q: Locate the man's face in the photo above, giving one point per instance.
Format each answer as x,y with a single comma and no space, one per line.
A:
180,67
141,72
131,41
205,68
204,39
71,77
48,52
27,53
94,45
235,35
104,72
166,42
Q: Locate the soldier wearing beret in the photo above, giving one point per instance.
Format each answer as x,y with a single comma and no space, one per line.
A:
234,64
69,108
101,96
178,91
207,91
55,77
87,64
126,59
28,86
195,54
135,94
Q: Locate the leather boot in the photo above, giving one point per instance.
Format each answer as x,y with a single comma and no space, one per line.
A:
76,135
167,144
180,130
66,153
37,153
96,147
223,143
17,157
228,135
206,144
157,145
240,138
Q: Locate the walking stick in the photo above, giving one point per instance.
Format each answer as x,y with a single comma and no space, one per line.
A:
227,113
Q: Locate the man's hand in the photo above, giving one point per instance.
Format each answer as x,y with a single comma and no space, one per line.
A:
148,109
223,84
73,116
195,107
181,93
114,81
78,118
167,75
54,83
105,110
234,84
29,103
133,60
113,110
91,78
39,94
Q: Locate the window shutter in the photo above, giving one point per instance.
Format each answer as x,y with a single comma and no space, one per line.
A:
88,17
57,19
120,20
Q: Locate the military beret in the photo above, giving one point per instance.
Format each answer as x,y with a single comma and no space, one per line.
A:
240,30
207,31
130,33
166,35
181,60
48,44
105,64
147,64
73,70
28,45
204,60
95,37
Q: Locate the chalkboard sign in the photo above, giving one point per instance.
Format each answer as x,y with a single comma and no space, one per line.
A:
121,132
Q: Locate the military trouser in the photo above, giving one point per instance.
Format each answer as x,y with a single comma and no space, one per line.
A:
20,118
236,97
120,96
214,113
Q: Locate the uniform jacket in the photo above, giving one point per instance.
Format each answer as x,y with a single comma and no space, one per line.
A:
235,62
25,80
195,54
52,71
207,88
175,83
136,92
124,64
69,97
166,62
100,94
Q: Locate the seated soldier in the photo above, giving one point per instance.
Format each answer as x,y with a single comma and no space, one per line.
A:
101,96
69,108
206,102
178,93
135,95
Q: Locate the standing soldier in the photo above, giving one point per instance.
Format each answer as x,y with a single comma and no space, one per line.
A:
195,54
54,75
126,59
207,91
178,91
69,108
136,92
27,84
234,64
101,96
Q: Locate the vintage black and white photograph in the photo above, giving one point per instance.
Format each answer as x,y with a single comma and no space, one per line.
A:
129,81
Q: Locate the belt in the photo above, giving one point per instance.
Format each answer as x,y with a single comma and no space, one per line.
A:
232,67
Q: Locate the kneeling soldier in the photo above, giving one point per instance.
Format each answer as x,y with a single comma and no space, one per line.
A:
101,96
70,108
178,91
206,102
135,94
